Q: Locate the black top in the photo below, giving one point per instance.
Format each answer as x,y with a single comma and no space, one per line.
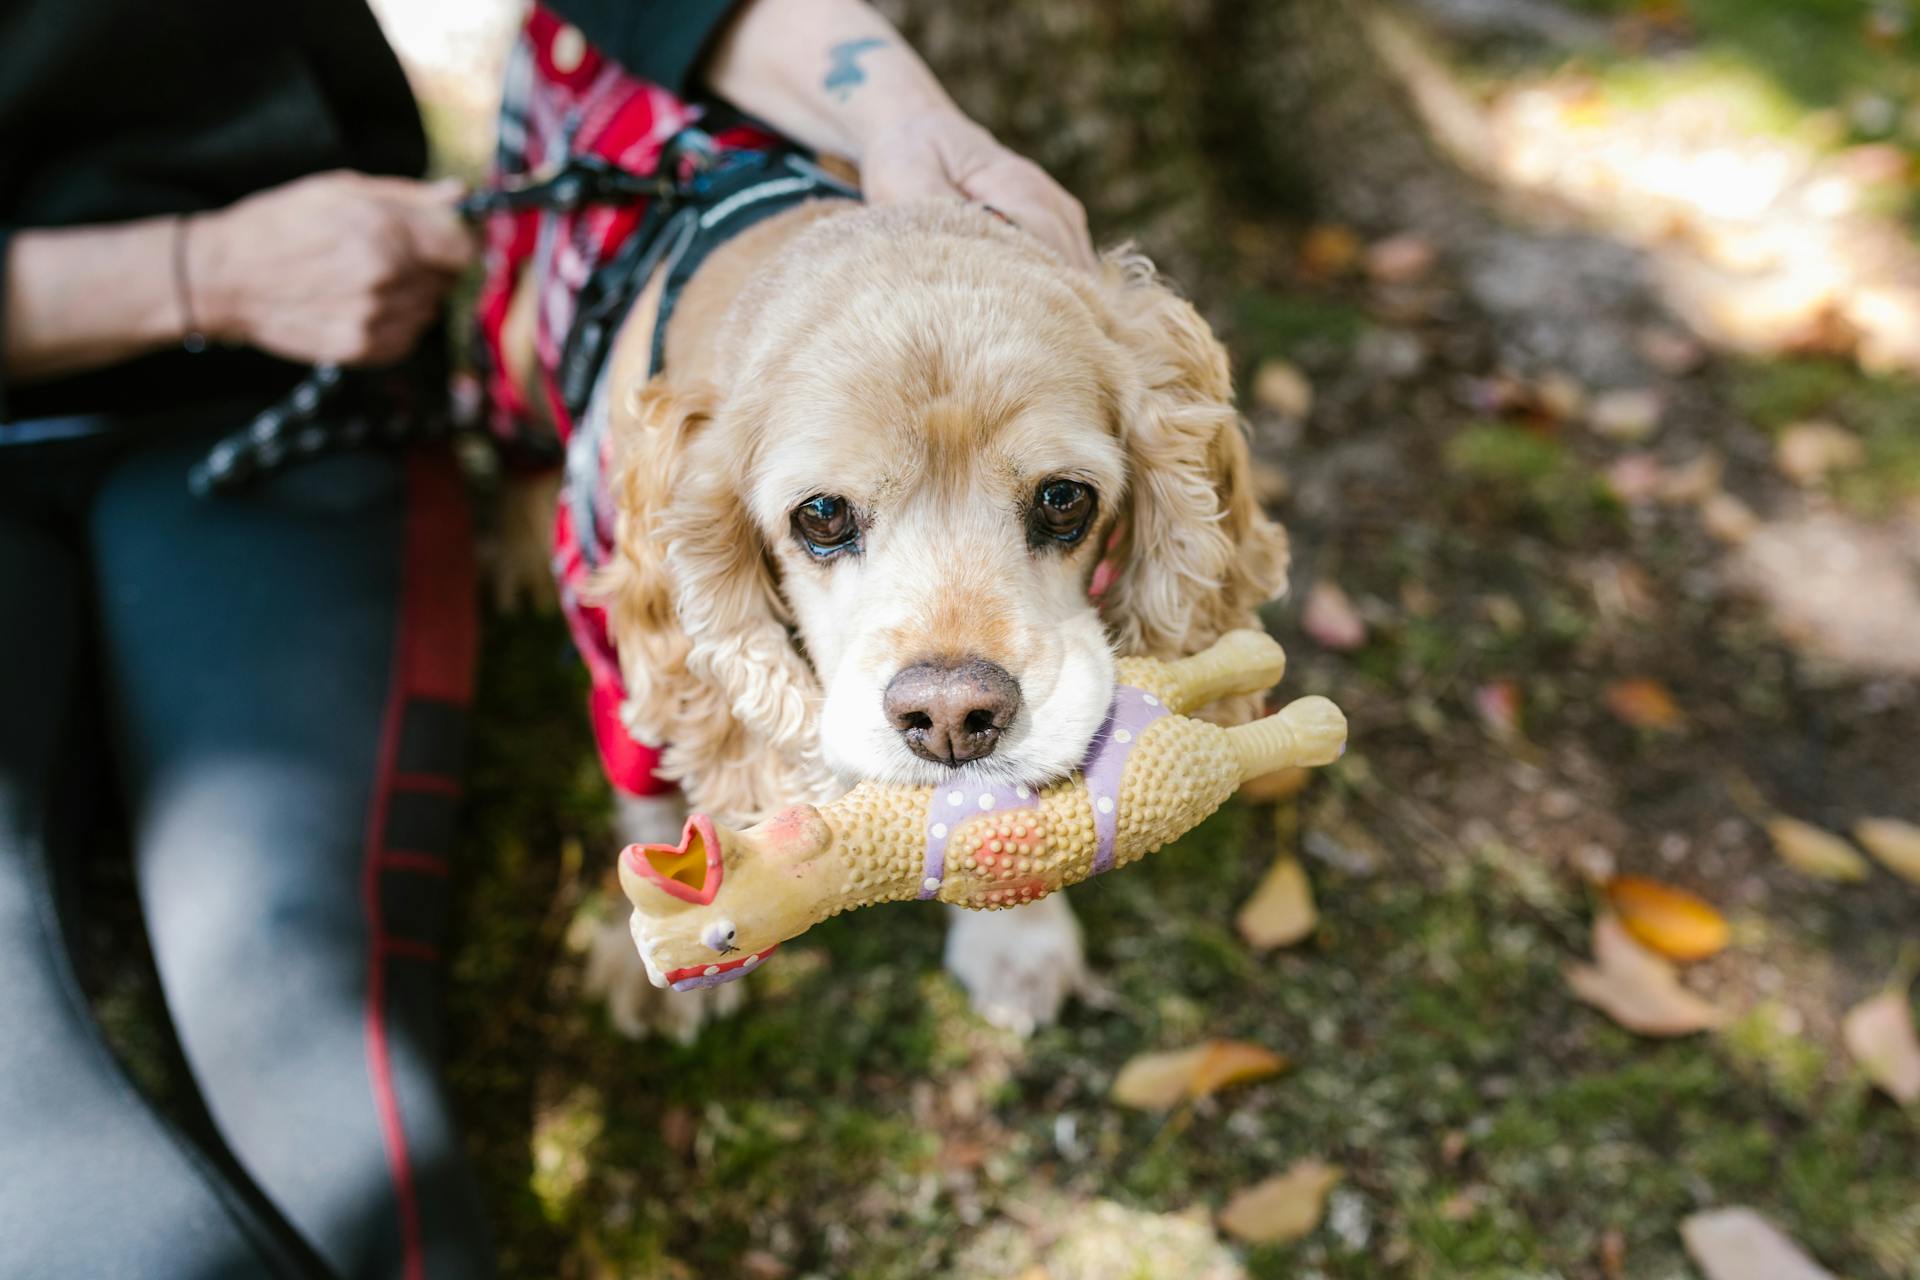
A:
112,110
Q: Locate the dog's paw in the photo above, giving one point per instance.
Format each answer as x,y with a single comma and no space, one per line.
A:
636,1006
1018,966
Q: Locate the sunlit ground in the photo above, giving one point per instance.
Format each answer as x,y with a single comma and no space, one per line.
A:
1584,627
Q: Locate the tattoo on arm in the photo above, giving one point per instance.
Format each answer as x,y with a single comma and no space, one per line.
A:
843,66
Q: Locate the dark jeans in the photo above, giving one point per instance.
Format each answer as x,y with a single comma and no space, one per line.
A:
275,685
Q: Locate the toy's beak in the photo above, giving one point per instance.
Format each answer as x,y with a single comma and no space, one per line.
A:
690,871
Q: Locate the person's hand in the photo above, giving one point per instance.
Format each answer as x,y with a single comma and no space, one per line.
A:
339,267
942,153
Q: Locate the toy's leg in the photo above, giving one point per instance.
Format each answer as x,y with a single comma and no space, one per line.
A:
1309,731
1238,662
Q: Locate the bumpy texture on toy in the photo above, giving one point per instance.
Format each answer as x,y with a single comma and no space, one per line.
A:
712,907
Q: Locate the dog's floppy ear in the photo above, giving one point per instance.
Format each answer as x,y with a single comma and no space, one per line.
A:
692,602
1197,556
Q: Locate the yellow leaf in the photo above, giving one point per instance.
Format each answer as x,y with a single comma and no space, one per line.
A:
1807,451
1672,921
1895,843
1329,249
1739,1244
1282,1208
1879,1034
1280,912
1272,788
1638,989
1156,1081
1644,704
1817,853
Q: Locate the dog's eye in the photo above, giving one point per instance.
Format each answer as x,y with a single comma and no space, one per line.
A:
825,525
1062,510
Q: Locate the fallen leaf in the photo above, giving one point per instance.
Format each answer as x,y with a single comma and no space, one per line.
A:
1638,989
1156,1081
1613,1254
1331,619
1694,480
1672,921
1272,788
1400,259
758,1264
1895,843
1329,249
1636,477
1818,853
1625,416
1497,703
1559,397
1739,1244
1807,452
1644,704
1727,519
1281,388
1282,1208
1280,912
1879,1034
1670,351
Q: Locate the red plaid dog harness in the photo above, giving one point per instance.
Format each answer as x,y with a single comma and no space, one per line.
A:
565,104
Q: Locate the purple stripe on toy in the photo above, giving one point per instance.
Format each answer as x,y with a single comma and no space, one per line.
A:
953,805
1133,710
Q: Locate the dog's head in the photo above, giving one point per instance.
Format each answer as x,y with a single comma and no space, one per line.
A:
945,476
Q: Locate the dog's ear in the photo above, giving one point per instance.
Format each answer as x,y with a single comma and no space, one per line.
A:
692,600
1197,555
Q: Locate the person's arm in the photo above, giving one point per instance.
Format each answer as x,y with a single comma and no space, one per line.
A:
835,75
337,267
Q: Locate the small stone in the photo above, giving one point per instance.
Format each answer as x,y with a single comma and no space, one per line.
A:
1807,452
1627,417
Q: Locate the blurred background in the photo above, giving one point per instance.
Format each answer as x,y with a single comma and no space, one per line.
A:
1579,342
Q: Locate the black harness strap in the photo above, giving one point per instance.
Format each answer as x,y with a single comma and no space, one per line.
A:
700,197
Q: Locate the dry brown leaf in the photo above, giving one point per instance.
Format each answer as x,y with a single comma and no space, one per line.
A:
1638,989
1879,1034
1644,704
1280,912
1281,388
1807,452
1272,788
1727,519
1329,249
1636,477
1739,1244
1895,843
1817,853
1693,481
1282,1208
1672,921
1156,1081
1331,619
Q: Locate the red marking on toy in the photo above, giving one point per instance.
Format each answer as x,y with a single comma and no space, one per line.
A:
690,870
718,967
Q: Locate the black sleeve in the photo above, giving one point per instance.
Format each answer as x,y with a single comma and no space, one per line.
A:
659,40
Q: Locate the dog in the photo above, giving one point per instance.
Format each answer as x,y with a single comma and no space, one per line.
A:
902,487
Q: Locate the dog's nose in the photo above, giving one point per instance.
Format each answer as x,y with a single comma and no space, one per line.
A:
952,711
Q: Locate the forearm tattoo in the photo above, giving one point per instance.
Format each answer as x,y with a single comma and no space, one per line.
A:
843,66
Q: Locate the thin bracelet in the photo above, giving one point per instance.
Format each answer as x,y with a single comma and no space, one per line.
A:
191,337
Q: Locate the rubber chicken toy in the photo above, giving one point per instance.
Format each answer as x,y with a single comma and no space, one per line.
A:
711,908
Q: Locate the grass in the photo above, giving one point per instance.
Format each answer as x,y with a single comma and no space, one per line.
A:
858,1122
1883,410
